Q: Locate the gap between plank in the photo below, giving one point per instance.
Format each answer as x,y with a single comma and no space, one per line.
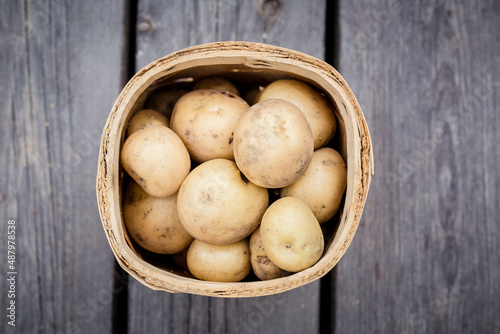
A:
120,300
130,47
120,277
327,284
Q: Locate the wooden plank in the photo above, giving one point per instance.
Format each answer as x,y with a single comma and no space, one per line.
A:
426,255
165,28
61,64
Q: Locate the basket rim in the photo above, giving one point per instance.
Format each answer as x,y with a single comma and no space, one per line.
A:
107,179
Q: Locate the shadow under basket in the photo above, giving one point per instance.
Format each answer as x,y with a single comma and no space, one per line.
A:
246,64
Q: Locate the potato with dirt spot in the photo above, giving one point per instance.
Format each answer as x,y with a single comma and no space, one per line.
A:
323,184
144,118
316,109
153,222
261,264
205,121
218,206
291,235
218,83
156,159
229,263
273,144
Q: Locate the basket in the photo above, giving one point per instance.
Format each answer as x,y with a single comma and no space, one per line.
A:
239,61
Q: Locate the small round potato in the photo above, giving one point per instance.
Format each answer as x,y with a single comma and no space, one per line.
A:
153,222
218,83
229,263
205,120
273,144
163,100
317,111
261,264
180,258
156,159
145,118
217,206
322,185
291,235
253,94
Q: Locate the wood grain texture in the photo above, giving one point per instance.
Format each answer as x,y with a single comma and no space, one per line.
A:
425,258
61,64
165,28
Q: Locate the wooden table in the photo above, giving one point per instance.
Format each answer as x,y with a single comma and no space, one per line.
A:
426,256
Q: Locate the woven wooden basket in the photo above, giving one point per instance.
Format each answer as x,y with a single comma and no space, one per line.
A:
259,63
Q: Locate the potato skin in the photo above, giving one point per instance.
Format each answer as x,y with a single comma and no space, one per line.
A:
291,235
262,266
218,83
323,184
273,144
316,109
217,206
229,263
153,222
156,159
205,120
145,118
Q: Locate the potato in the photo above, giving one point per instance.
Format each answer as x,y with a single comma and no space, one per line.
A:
316,109
229,263
156,159
273,144
163,100
217,206
145,118
253,94
153,222
217,83
180,258
205,120
322,185
261,264
291,235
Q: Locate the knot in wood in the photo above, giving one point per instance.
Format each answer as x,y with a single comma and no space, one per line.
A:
269,9
145,26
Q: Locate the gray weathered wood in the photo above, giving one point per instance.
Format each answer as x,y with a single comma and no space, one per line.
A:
61,69
425,258
165,28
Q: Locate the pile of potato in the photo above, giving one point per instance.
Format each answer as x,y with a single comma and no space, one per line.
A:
217,214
